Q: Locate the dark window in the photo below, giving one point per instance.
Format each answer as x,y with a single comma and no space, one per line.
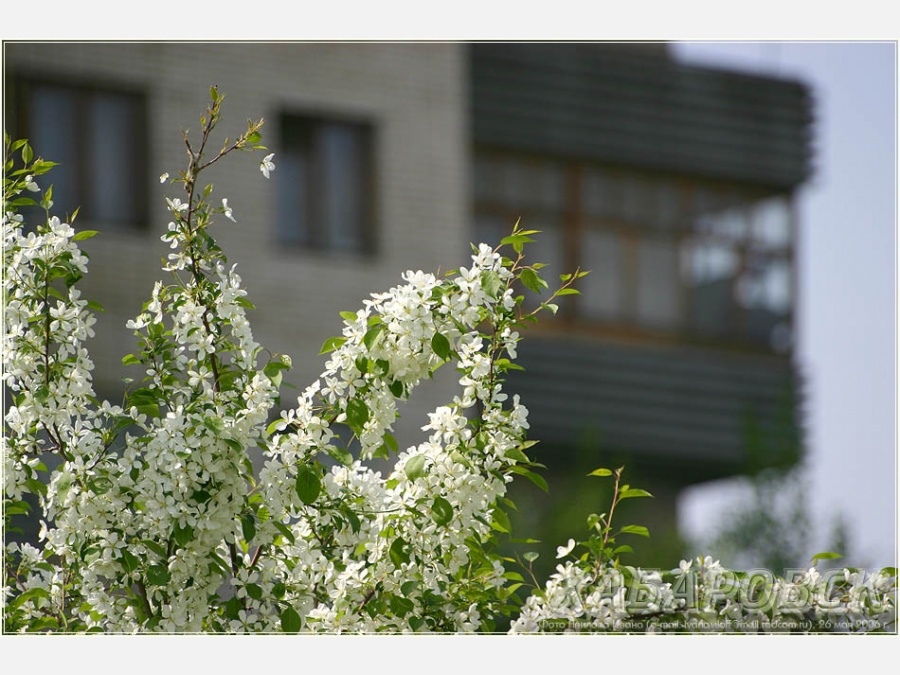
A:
99,138
325,184
668,255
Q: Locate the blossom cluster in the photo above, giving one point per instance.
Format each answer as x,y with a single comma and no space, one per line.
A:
701,596
410,534
156,514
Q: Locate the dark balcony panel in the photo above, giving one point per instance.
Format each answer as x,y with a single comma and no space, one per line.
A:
618,105
707,414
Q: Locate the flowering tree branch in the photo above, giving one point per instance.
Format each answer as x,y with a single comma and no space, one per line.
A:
174,531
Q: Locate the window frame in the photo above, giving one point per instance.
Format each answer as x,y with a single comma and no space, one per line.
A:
679,230
307,124
20,89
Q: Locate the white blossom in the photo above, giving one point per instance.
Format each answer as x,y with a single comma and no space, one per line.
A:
227,210
563,551
267,165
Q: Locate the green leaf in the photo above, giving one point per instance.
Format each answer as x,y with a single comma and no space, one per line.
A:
491,283
401,606
390,442
398,552
353,518
408,587
397,388
146,401
158,575
36,486
42,393
183,535
30,594
357,414
234,444
372,335
48,623
285,530
42,166
501,521
441,511
290,621
214,424
273,371
505,365
415,467
155,546
532,281
331,344
639,530
23,201
517,455
272,428
16,508
255,137
129,561
518,238
218,566
826,555
47,198
308,484
441,346
233,608
531,556
340,455
600,472
85,234
633,492
348,316
248,527
537,479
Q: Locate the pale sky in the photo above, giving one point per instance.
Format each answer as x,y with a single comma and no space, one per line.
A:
847,285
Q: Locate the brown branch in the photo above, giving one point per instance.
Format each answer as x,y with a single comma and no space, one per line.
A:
142,592
256,556
369,596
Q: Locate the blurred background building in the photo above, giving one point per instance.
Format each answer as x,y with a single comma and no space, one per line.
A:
673,184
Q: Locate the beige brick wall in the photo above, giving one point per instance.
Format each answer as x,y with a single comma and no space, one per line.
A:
415,96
